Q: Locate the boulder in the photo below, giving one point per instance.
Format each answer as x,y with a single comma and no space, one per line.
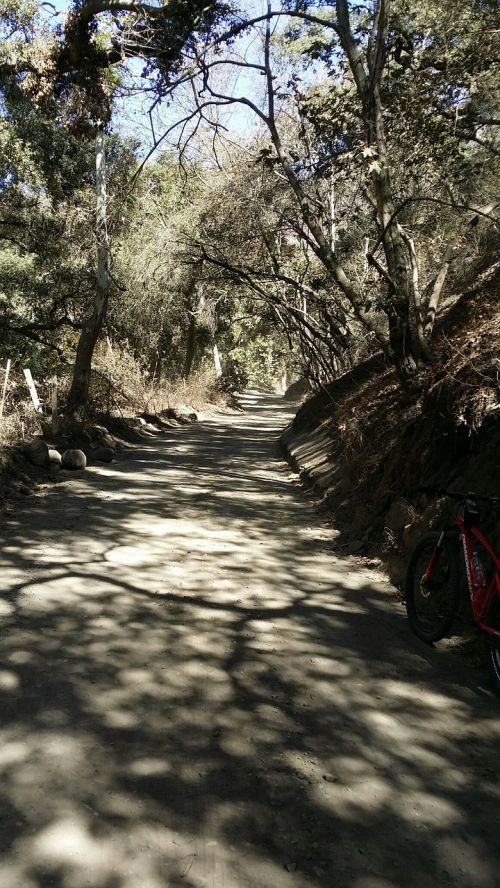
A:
55,458
37,452
106,441
149,419
355,546
362,518
103,454
74,459
298,390
184,411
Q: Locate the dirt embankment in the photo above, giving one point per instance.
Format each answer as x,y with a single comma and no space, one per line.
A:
367,444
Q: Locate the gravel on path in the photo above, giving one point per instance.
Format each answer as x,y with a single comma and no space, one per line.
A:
198,690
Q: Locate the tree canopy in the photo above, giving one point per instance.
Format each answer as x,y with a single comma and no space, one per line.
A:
328,229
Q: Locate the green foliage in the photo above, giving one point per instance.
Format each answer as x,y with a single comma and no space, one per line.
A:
228,255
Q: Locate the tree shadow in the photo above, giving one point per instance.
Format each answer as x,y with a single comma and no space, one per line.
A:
197,691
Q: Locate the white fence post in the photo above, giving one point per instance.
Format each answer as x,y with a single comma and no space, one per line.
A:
37,404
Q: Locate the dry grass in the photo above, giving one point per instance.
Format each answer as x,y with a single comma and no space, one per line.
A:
119,387
120,384
21,421
198,391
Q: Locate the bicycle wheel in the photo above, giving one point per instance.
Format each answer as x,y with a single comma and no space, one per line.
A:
494,620
431,603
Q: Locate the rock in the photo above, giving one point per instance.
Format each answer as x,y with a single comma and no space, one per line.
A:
297,390
411,534
37,452
149,419
186,412
103,454
398,516
55,458
362,518
74,459
355,546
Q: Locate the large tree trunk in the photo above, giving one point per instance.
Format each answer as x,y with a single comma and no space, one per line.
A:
79,392
404,349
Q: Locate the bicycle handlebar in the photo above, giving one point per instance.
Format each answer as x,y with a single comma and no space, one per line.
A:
460,497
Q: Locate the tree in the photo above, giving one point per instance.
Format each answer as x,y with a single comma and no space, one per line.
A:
70,75
340,222
251,234
47,242
377,96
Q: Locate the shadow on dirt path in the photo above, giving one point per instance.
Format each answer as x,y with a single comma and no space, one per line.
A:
196,691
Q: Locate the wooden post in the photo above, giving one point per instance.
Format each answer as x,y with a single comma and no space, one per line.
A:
217,361
37,404
4,390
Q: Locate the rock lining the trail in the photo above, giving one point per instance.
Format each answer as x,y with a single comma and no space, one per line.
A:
36,462
55,458
37,452
74,459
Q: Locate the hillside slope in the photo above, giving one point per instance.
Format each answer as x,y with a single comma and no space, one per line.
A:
366,443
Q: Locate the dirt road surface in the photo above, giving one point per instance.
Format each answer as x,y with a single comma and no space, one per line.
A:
199,692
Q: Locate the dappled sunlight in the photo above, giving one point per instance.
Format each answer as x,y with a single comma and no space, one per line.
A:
197,691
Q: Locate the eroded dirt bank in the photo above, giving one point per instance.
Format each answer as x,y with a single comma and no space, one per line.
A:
197,690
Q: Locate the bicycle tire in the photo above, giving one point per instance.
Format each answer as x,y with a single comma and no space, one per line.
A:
431,608
494,620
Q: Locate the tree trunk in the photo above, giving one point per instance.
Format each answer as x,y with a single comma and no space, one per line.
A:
190,346
194,309
79,391
404,350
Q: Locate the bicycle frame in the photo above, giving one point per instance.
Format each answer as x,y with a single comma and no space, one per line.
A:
480,596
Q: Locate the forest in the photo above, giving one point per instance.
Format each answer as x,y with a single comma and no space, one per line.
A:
234,193
249,437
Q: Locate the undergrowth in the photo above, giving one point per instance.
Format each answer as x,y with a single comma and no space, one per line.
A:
119,386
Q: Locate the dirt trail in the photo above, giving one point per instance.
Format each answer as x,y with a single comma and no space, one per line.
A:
196,691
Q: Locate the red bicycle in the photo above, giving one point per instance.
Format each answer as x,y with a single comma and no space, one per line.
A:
433,580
